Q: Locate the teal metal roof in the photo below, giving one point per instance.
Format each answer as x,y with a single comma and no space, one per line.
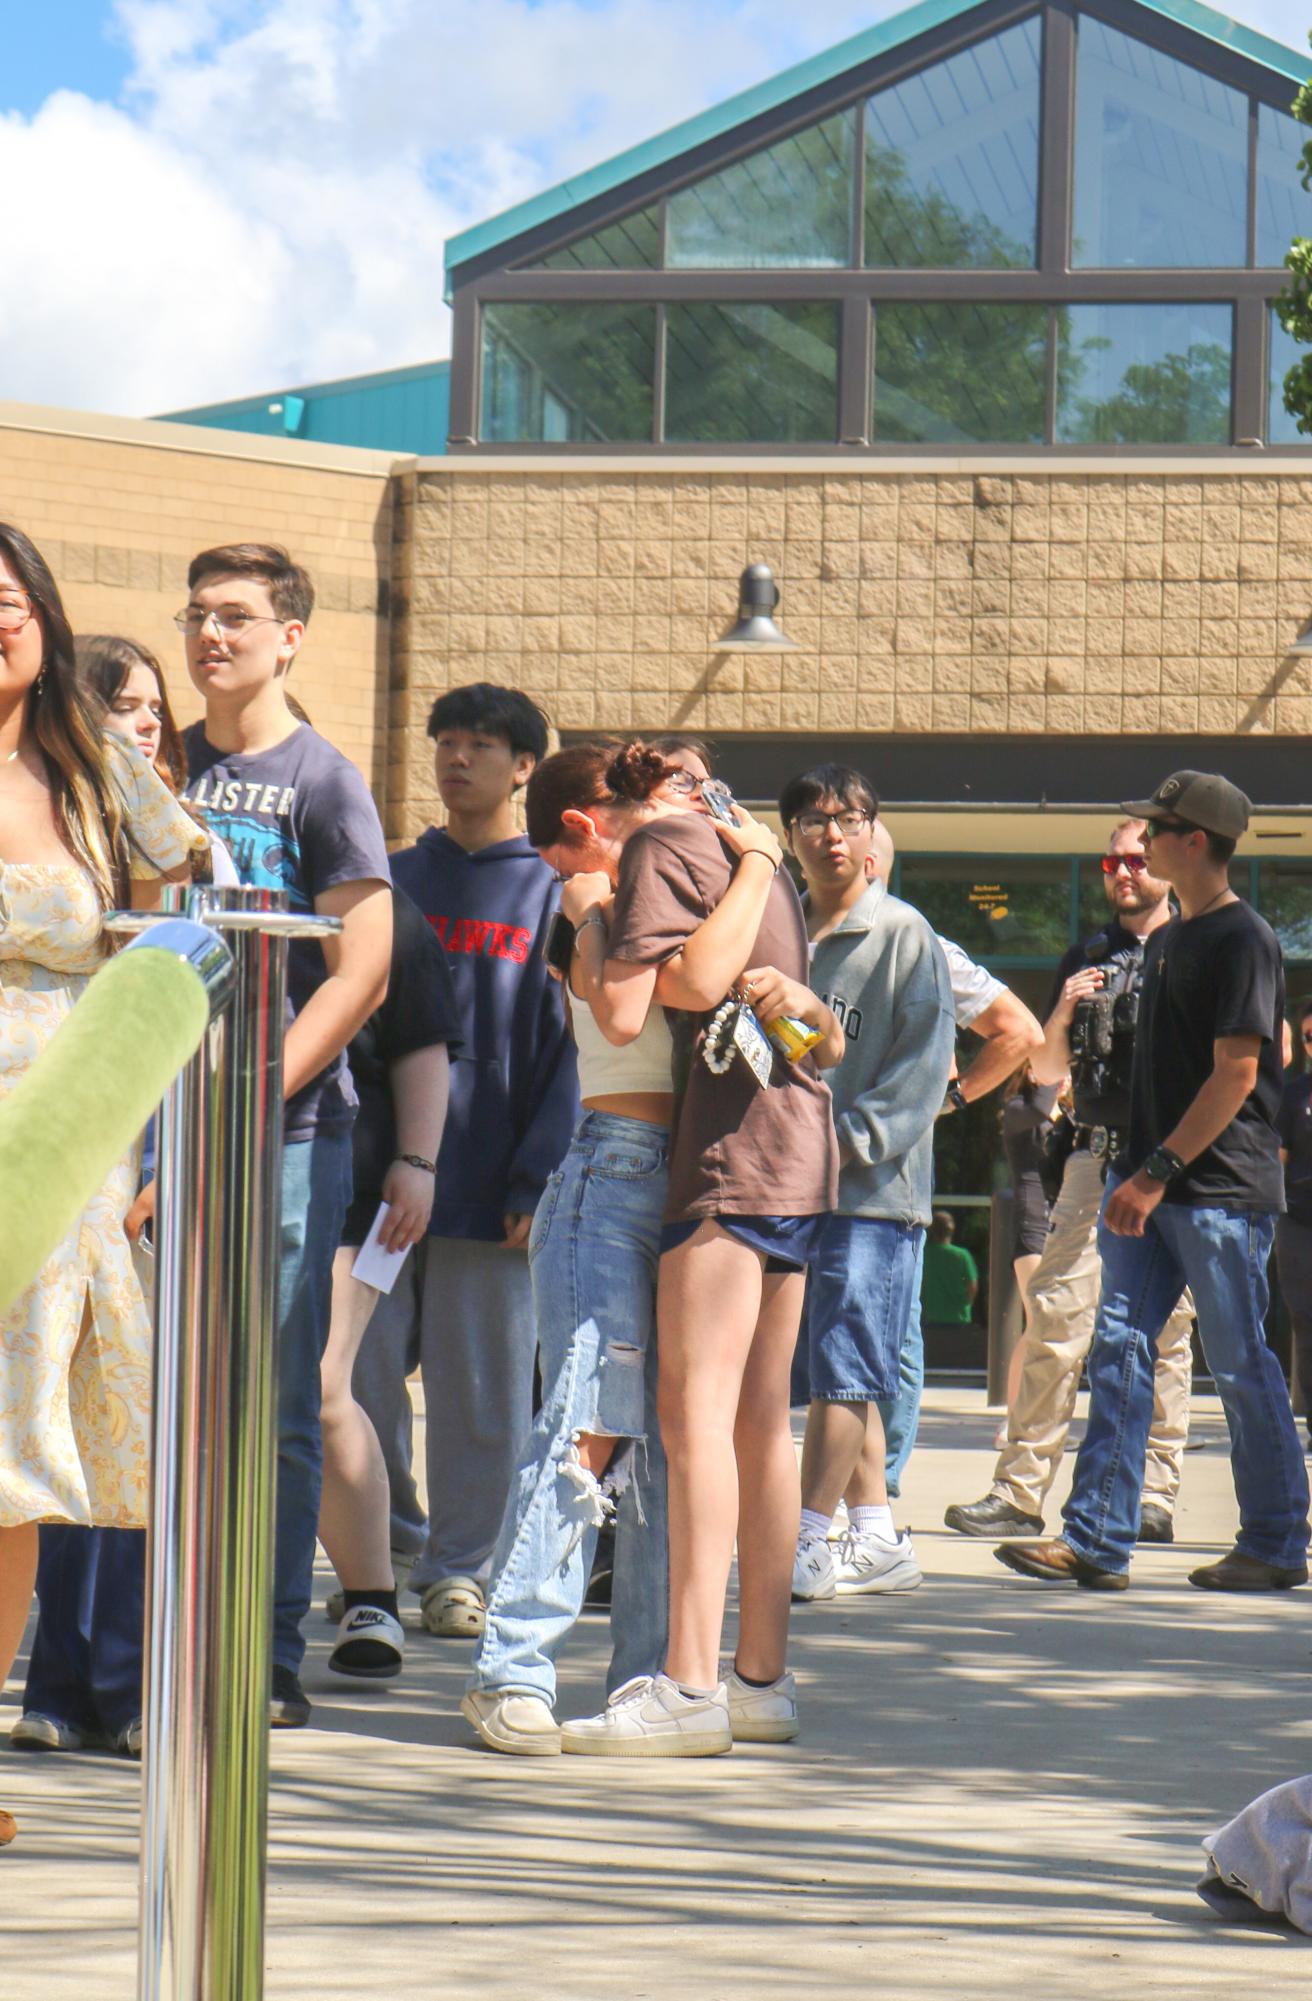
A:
776,91
396,409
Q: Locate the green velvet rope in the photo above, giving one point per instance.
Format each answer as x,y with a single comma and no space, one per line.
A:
87,1098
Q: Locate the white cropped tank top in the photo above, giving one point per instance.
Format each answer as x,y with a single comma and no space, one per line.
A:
607,1071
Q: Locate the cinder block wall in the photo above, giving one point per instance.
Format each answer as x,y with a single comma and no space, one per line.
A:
1044,599
118,507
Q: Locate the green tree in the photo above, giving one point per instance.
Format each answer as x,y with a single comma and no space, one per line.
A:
1294,305
1181,399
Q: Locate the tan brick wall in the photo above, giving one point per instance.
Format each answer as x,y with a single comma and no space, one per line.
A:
117,518
992,601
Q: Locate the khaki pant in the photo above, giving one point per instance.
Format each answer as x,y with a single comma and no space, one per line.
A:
1063,1302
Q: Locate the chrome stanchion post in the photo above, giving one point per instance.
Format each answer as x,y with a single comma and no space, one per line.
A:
204,1813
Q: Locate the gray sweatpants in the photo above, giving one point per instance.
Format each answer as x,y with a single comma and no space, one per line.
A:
463,1313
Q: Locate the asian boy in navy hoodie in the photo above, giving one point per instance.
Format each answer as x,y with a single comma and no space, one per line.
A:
462,1307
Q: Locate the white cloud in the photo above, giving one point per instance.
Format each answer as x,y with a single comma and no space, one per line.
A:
269,201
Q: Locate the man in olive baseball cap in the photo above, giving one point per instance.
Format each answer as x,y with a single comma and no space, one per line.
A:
1202,798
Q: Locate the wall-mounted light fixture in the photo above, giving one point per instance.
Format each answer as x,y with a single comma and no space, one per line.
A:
755,630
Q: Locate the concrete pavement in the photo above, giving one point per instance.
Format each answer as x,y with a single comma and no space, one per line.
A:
1000,1789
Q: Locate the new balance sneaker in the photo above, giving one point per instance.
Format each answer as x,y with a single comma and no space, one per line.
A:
454,1608
370,1644
506,1721
813,1569
35,1732
868,1563
653,1718
762,1715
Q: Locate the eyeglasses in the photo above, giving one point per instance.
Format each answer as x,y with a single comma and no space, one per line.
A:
16,607
814,826
1136,864
230,620
1155,827
681,781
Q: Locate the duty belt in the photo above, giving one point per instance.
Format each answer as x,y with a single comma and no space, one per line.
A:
1100,1141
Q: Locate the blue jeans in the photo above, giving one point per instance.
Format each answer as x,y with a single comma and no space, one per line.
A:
863,1278
316,1189
901,1414
593,1256
1221,1255
89,1647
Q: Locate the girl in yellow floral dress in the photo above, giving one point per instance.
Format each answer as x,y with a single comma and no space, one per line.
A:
84,826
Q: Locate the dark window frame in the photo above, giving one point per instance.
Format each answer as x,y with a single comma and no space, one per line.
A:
504,276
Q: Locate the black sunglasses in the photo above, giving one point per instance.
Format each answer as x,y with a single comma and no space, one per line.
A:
1155,827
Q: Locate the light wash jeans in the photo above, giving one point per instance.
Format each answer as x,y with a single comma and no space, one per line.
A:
593,1256
1221,1255
901,1414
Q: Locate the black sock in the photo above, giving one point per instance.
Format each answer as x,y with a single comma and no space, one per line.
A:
749,1680
384,1600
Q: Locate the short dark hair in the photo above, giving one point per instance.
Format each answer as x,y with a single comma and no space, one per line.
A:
1305,1009
503,712
942,1229
827,781
1220,848
291,591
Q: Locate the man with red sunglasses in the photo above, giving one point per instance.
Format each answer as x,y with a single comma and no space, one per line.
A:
1090,1033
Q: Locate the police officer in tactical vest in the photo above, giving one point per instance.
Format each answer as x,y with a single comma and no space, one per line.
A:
1090,1032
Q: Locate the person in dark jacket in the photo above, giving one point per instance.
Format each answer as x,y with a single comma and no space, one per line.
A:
462,1308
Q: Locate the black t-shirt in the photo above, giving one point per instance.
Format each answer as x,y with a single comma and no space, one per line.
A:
420,1009
1119,953
1219,974
1294,1127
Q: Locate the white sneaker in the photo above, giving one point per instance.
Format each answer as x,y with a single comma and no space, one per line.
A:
520,1724
813,1569
762,1715
868,1563
649,1718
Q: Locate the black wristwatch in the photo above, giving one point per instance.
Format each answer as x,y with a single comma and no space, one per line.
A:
1162,1165
956,1099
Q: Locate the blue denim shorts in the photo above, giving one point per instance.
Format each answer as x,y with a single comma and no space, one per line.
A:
785,1242
859,1297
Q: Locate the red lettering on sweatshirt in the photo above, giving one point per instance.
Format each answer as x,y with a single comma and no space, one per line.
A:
469,935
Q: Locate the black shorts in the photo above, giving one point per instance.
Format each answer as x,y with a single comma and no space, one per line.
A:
786,1242
360,1219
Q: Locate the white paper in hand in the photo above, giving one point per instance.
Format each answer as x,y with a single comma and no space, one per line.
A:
373,1264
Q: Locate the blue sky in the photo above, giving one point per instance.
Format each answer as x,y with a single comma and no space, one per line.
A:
228,196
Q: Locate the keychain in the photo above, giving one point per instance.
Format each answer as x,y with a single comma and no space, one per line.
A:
734,1030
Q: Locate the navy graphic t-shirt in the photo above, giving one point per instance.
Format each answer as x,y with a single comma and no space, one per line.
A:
297,817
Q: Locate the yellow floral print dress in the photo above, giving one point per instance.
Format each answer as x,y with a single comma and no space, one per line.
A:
75,1348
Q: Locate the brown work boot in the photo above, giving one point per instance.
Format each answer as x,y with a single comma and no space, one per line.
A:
1237,1571
1056,1563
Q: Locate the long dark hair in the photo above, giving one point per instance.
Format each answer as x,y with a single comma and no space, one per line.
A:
607,772
87,805
104,660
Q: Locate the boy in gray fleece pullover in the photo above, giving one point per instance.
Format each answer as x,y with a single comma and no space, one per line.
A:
878,965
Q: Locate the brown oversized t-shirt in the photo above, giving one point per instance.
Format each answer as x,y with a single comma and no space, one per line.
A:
738,1148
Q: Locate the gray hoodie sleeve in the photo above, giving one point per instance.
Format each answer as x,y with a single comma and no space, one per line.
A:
899,1106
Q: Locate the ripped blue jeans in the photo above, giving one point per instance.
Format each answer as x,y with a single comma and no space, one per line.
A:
592,1255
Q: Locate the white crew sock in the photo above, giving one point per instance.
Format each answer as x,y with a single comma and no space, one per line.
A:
873,1521
815,1527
